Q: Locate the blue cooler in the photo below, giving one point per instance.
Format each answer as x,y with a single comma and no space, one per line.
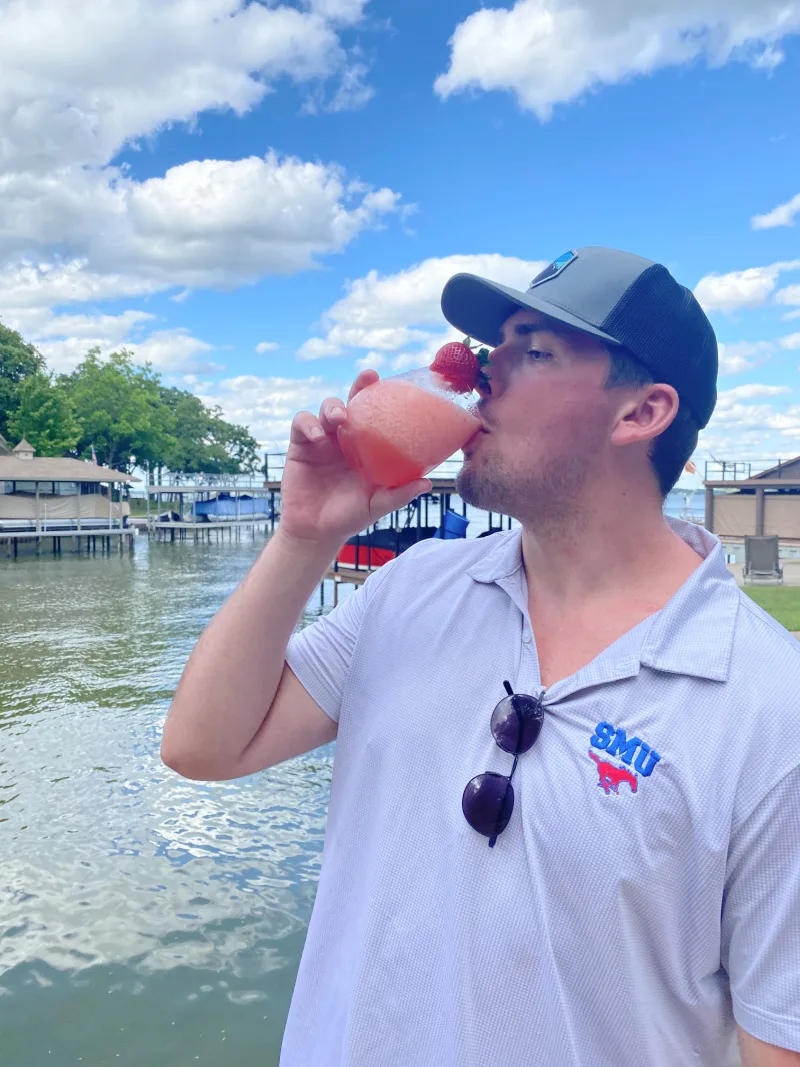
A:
453,526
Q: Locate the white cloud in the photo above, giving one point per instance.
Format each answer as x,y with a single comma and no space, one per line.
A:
791,342
742,355
783,215
40,285
205,223
552,51
741,288
217,222
173,350
371,361
317,348
351,94
78,80
64,340
267,346
268,405
751,392
114,328
390,312
790,295
339,10
743,430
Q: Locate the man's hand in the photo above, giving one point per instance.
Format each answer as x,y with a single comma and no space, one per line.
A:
323,500
757,1053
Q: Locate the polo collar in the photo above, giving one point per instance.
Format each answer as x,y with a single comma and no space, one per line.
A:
693,634
502,560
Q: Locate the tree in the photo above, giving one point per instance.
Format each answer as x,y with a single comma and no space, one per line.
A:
44,415
17,360
204,441
121,412
239,444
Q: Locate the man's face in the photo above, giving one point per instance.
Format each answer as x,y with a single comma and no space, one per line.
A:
548,420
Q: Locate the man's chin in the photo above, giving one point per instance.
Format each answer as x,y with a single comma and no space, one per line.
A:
474,487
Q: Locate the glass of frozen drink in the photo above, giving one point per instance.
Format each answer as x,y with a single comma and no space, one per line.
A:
400,428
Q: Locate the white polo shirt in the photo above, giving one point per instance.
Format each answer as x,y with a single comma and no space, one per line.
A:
610,926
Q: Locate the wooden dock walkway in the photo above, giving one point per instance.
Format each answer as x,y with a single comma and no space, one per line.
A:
347,575
77,540
184,531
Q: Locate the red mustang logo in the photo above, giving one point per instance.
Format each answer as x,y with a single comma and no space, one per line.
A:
611,776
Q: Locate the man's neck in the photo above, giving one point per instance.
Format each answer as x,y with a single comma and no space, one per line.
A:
621,549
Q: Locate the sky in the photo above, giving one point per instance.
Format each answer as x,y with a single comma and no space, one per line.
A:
261,198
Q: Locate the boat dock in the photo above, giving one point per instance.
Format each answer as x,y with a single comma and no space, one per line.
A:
80,541
195,531
176,527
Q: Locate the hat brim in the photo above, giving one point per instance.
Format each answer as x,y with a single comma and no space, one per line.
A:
478,308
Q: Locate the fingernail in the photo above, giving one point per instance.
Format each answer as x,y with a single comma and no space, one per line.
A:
337,410
316,433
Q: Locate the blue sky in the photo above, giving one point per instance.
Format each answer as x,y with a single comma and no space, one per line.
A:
193,181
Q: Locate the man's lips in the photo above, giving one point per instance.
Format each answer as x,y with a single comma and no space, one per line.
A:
479,433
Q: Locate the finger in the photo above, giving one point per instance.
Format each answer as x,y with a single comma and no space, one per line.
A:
365,378
385,500
306,427
332,414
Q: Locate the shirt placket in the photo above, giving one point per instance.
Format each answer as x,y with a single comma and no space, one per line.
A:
528,678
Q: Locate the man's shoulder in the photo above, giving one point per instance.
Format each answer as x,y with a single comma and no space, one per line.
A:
759,639
454,556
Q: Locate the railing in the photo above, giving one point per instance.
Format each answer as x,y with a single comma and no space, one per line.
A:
188,482
275,461
721,470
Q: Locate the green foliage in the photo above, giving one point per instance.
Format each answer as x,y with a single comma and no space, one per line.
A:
204,442
44,415
17,361
120,410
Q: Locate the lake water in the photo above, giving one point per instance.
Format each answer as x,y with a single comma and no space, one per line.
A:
144,919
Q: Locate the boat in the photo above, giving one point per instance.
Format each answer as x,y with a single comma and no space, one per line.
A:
377,547
225,507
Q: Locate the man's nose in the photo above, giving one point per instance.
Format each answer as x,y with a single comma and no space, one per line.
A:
496,368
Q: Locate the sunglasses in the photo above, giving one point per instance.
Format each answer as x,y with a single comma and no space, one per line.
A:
488,800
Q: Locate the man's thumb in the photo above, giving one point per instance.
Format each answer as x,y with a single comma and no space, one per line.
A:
385,500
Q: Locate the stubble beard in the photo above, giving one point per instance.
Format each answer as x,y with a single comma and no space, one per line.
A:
547,500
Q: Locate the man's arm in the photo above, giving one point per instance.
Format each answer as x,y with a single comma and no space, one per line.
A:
760,944
238,707
757,1053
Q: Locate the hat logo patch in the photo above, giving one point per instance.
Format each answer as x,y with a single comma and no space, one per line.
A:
555,268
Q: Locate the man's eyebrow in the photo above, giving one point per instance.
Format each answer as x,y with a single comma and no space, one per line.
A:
525,329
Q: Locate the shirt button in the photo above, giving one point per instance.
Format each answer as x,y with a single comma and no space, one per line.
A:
527,636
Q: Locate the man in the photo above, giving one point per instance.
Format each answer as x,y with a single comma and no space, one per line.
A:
639,892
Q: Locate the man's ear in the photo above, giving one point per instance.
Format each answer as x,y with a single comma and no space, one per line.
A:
645,414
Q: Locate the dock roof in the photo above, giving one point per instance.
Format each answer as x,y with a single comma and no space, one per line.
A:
47,469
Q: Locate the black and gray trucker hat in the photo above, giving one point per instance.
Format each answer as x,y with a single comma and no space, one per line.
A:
616,296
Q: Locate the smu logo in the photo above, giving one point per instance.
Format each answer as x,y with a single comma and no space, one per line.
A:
614,741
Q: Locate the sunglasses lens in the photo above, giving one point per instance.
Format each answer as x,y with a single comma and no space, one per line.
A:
488,802
516,723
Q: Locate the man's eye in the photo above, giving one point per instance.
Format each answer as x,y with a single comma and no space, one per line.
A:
537,354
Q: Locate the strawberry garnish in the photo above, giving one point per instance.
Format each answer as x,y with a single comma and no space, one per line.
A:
458,365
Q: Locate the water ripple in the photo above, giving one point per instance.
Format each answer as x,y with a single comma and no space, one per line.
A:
185,904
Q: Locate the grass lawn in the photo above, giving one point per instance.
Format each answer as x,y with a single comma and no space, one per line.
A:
139,506
782,602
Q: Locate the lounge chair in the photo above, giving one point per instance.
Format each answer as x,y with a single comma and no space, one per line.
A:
761,562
